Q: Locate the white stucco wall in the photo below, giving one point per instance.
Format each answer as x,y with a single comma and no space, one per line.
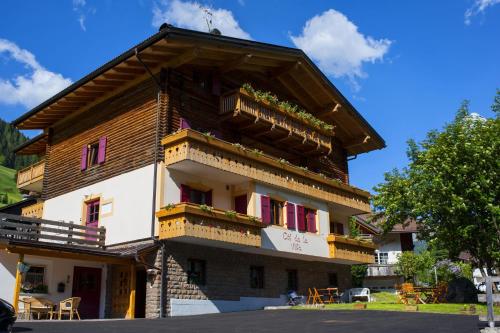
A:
131,195
56,271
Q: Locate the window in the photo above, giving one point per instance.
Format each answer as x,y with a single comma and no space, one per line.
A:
192,195
93,213
240,204
333,280
276,212
306,218
93,154
196,272
34,280
257,277
381,258
293,279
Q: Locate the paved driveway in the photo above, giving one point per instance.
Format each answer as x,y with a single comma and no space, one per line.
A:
289,321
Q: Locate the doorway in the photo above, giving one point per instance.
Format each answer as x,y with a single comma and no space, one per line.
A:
140,293
87,285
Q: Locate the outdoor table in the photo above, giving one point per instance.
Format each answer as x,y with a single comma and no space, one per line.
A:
426,294
329,295
42,306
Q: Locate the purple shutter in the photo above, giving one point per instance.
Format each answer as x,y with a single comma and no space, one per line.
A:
301,222
184,124
208,198
311,221
185,193
265,209
240,204
101,154
290,215
83,161
340,228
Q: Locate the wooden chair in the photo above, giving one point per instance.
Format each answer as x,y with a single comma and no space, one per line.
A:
313,296
407,292
439,293
69,306
25,312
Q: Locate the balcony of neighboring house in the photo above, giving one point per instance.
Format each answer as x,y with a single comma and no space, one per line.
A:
34,210
31,178
359,250
381,270
29,231
260,118
192,152
206,225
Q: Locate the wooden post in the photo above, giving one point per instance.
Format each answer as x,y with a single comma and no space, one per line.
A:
17,286
131,304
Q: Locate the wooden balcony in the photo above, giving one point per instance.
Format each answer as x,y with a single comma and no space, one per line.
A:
31,178
350,249
35,210
263,119
31,230
191,151
186,221
379,270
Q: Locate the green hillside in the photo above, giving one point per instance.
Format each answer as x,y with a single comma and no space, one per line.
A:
8,189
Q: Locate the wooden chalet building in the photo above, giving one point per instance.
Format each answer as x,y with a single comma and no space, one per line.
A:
170,184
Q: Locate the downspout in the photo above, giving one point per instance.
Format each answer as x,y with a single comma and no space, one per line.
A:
155,181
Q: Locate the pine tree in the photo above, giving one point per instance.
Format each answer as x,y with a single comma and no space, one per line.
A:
10,138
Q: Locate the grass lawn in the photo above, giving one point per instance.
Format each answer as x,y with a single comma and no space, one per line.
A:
8,185
388,302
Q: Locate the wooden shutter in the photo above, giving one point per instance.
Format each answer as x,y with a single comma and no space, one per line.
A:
311,220
101,154
301,223
290,215
265,208
340,228
83,161
184,124
185,193
208,198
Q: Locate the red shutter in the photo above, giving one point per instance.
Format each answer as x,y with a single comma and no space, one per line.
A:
290,215
340,228
185,193
311,221
240,204
184,124
83,162
101,154
301,223
265,208
208,198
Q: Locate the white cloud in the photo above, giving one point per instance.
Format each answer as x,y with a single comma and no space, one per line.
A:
193,15
79,8
478,7
30,89
337,46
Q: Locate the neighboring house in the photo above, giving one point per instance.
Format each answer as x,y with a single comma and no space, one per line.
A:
382,275
132,167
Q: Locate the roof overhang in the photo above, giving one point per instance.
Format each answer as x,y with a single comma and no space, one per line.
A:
35,146
173,47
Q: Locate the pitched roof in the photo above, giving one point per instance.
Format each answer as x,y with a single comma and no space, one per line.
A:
374,224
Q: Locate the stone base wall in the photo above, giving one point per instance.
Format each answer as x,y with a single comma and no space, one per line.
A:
153,287
228,274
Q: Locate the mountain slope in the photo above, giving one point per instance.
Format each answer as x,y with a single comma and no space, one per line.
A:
8,189
10,138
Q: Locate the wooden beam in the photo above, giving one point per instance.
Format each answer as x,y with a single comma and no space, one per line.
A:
275,74
113,83
88,93
137,63
129,70
357,142
25,250
329,109
70,104
235,63
97,88
114,76
183,58
17,284
131,303
162,49
78,99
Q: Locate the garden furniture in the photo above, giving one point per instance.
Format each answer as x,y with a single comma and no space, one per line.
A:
69,306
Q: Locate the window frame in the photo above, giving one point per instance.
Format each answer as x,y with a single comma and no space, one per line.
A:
378,256
276,208
257,277
202,279
43,282
92,153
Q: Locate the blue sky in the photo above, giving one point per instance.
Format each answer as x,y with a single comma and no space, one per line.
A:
405,65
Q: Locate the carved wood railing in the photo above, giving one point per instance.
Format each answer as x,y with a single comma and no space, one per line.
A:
241,103
209,151
190,220
342,247
35,210
21,228
31,174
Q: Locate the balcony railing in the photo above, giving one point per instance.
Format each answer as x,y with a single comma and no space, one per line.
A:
241,104
35,210
187,220
31,178
189,145
28,229
345,248
376,270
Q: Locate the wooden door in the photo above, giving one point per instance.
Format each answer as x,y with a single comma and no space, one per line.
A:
92,219
120,291
87,285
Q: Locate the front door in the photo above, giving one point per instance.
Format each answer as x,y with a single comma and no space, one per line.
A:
87,285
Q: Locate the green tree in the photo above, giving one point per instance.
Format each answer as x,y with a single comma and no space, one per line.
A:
451,187
358,274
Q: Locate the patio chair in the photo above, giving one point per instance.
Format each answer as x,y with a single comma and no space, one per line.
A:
24,312
363,293
69,306
407,292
